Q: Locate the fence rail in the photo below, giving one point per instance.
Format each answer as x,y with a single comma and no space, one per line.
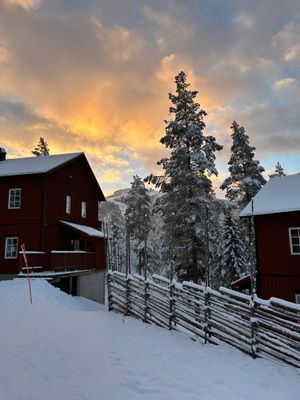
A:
267,329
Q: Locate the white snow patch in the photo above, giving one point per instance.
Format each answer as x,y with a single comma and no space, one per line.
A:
34,165
278,195
74,349
85,229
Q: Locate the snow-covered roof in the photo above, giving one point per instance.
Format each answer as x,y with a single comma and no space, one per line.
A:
87,230
34,165
279,195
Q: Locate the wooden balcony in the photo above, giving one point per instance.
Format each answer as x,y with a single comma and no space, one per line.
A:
36,261
58,261
74,260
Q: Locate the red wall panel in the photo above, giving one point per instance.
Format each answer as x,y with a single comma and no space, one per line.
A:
278,269
43,203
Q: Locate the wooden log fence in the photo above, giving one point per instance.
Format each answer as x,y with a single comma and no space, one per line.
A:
261,328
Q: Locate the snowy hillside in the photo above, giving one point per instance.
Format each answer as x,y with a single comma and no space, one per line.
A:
73,349
120,196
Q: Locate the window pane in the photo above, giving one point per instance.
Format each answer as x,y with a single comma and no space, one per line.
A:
68,204
294,232
11,247
14,199
83,209
295,240
99,211
296,249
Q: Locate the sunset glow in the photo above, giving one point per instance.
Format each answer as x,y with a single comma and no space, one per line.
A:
94,76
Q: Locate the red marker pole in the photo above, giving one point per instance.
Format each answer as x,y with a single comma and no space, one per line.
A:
26,265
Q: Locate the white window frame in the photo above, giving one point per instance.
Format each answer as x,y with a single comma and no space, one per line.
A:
11,199
98,211
83,209
11,256
297,298
68,204
290,238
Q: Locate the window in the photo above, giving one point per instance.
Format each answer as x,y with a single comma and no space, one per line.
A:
76,244
99,210
68,204
83,209
11,247
294,240
297,296
14,198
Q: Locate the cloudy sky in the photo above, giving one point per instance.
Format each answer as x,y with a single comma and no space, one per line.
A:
94,76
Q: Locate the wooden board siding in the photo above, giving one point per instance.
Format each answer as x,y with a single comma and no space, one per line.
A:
278,269
75,180
27,233
280,286
24,222
64,261
30,200
43,204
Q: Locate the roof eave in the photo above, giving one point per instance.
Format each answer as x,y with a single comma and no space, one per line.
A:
269,212
74,229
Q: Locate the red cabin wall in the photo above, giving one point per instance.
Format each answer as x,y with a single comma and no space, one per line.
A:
23,222
43,204
77,181
278,269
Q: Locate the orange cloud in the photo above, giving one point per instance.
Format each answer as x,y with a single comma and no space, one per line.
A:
92,83
27,4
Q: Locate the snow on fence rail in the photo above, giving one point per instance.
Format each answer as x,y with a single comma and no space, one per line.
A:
268,329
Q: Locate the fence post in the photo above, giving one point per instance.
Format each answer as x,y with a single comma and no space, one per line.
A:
197,310
146,296
172,302
206,315
253,323
109,294
127,301
253,282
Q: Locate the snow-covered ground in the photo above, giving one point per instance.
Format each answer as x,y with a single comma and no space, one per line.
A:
67,348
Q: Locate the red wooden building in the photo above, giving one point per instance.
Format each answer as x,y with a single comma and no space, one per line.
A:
51,204
277,229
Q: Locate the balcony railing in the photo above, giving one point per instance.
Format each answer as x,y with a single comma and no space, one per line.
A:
78,260
58,260
36,261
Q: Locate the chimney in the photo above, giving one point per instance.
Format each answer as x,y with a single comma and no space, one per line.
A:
2,154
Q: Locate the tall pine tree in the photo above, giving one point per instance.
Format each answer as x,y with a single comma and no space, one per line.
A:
233,260
279,171
186,182
245,178
41,149
137,216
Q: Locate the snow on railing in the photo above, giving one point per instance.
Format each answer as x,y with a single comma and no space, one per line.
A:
270,329
32,252
68,252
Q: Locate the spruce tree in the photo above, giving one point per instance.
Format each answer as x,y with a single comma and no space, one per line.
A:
117,240
233,260
41,149
137,216
245,178
279,171
215,239
114,225
186,182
